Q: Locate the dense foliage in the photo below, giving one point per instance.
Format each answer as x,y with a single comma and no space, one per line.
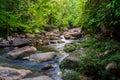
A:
103,17
94,16
31,15
99,19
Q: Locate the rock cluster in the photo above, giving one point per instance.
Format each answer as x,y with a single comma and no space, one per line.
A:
43,57
21,40
21,52
72,33
40,38
7,73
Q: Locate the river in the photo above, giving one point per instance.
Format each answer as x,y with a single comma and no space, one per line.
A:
38,68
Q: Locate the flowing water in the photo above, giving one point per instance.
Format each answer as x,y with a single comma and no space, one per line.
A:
54,72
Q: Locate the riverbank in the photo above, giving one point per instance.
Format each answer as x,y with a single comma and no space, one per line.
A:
43,61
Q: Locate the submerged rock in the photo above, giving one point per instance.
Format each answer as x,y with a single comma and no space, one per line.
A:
7,73
21,52
43,57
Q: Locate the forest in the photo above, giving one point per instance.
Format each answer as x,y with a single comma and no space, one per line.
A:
91,26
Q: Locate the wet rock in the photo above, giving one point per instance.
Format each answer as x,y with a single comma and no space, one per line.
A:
48,66
20,42
49,34
74,59
16,42
60,41
54,38
55,30
56,77
42,57
61,56
1,39
7,73
22,36
38,36
111,66
72,33
16,35
21,52
28,35
53,71
4,43
68,36
39,78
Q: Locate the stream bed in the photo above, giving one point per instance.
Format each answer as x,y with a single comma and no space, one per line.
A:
38,68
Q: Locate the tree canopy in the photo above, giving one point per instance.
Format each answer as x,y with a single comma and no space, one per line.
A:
94,16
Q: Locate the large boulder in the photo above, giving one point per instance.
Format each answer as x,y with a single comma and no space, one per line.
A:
16,42
39,78
20,42
21,52
7,73
72,33
42,57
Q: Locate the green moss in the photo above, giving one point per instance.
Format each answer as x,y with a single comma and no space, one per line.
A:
70,48
46,49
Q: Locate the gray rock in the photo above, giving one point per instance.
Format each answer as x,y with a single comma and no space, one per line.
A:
7,73
21,52
72,58
28,35
16,42
42,57
1,39
38,78
72,33
111,66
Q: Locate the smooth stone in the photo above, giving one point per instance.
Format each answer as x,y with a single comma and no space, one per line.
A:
111,66
72,33
16,42
38,78
21,52
28,35
74,59
7,73
42,57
